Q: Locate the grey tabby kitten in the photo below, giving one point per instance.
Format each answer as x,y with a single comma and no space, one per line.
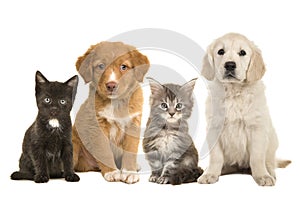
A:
167,144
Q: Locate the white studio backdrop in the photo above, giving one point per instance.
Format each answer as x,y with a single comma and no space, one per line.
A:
50,35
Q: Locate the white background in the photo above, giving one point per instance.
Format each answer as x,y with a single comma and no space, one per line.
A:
50,35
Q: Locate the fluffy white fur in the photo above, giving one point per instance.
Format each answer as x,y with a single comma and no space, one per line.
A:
54,123
240,133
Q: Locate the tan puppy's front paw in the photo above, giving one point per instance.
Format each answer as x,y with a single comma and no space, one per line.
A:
113,176
129,177
208,179
265,180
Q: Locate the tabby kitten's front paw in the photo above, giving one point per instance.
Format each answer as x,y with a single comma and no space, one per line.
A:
163,180
153,178
41,178
72,178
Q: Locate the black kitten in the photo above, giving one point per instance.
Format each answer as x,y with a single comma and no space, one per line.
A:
47,146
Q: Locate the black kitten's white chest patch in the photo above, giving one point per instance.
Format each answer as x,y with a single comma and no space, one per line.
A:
54,123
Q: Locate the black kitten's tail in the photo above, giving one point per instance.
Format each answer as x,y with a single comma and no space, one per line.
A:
185,175
21,176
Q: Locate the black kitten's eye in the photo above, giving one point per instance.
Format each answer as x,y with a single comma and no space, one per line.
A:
242,53
47,100
101,66
221,52
62,102
179,106
164,106
123,67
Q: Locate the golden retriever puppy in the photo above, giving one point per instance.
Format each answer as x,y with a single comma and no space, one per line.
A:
240,134
106,132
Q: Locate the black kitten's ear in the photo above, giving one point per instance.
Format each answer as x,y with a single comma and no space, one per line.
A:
73,82
40,78
188,87
155,86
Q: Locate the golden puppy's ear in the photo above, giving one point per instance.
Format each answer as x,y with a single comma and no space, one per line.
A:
140,63
256,68
84,64
208,69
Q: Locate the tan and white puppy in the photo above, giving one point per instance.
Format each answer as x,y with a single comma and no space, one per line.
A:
106,133
240,133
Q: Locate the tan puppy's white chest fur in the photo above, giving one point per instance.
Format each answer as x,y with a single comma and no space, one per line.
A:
115,117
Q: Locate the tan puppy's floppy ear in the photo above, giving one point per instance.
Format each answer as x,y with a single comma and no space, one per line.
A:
140,63
84,64
208,69
256,68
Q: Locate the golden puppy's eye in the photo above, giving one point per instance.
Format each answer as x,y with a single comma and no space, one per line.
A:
101,66
242,53
123,67
221,52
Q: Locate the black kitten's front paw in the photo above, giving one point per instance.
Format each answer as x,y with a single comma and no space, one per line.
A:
72,178
40,178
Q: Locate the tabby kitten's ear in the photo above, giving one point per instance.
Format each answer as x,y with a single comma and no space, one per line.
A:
40,78
72,82
155,86
188,87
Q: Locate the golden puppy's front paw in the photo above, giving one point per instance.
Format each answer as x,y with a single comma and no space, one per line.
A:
265,180
208,179
129,177
113,176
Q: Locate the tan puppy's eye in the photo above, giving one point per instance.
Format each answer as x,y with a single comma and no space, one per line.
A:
221,52
242,53
101,66
123,67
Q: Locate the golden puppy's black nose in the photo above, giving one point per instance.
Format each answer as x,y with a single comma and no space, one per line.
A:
230,66
111,86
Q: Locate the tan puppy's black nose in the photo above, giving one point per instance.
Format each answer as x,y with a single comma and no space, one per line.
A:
111,86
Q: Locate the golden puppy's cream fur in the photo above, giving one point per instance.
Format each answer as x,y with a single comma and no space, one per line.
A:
240,133
106,133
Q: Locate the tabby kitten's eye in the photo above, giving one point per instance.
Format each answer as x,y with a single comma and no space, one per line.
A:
164,106
47,100
179,106
62,102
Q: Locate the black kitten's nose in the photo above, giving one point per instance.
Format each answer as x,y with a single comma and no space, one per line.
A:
111,86
53,111
230,66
